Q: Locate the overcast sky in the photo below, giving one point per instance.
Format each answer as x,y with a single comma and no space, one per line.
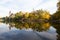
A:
26,5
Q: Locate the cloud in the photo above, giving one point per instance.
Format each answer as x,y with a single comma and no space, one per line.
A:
4,1
26,5
49,5
3,11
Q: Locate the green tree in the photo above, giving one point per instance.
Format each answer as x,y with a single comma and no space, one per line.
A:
56,15
18,15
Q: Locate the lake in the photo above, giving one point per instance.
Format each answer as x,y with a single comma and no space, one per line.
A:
25,31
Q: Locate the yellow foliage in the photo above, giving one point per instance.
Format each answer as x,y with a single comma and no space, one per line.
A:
46,25
45,15
26,14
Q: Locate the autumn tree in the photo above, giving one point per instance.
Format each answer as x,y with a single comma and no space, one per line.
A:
56,15
19,15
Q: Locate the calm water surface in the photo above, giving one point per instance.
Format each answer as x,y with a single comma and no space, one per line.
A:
17,31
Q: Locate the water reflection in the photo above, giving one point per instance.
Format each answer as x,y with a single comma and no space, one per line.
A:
57,26
35,26
30,31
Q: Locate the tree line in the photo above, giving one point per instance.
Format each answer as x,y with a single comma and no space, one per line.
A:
35,16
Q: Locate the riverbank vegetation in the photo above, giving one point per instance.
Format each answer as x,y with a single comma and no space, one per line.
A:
34,16
38,15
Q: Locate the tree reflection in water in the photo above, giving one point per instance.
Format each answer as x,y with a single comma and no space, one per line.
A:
36,26
57,26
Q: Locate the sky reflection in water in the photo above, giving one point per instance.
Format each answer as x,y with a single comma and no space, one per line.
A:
16,34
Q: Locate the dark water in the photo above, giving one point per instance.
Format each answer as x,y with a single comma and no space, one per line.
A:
25,31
